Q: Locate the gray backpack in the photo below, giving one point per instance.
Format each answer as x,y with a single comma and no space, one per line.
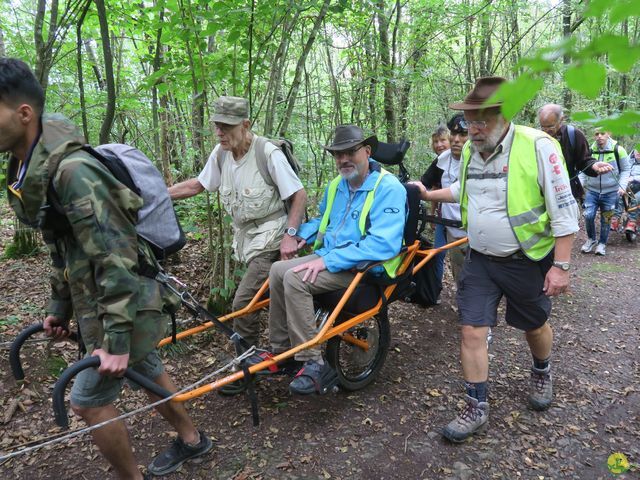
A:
157,220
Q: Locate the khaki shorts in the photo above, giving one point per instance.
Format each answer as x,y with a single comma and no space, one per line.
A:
90,389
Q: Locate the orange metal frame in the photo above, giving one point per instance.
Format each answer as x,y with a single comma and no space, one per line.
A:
328,330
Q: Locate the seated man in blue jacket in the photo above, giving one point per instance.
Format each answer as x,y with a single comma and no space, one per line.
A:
341,240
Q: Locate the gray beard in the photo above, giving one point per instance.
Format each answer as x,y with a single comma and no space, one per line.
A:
490,144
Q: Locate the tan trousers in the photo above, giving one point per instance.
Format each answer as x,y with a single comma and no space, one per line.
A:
291,312
257,273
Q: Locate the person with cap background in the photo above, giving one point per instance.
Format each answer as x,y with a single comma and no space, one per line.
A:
520,216
339,245
264,230
448,162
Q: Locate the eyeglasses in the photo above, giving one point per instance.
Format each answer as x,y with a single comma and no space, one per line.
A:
549,127
479,124
347,153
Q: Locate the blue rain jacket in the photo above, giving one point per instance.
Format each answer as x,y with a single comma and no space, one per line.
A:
344,247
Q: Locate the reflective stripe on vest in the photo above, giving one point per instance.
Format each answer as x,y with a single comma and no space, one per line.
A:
391,265
526,208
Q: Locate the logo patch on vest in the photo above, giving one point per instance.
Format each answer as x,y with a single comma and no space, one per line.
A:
553,160
391,210
355,214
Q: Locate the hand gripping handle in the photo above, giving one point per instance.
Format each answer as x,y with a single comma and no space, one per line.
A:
60,387
14,352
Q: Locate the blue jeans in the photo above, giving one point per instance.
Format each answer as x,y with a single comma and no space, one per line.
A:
440,239
606,203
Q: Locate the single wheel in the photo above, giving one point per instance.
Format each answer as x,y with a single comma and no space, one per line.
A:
631,236
356,366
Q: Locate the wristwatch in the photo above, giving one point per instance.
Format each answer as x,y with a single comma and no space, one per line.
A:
291,231
564,266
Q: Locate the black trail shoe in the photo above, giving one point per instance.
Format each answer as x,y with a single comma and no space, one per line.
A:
179,452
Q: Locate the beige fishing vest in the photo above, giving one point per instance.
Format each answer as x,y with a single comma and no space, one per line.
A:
258,214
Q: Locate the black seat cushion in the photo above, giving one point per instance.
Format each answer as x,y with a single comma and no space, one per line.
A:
364,297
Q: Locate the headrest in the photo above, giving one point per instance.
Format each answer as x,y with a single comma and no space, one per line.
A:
391,153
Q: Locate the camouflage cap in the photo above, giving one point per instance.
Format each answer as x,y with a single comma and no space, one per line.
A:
231,110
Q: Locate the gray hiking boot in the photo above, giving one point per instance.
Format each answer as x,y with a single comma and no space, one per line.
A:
541,388
472,419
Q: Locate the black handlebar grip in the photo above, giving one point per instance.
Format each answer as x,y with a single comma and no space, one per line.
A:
16,345
59,410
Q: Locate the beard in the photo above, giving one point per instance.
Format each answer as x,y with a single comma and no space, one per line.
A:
492,138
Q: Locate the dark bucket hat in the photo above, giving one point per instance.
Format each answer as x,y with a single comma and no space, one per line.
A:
230,110
481,92
348,136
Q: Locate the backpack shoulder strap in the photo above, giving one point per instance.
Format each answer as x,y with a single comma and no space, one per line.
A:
616,153
571,130
262,157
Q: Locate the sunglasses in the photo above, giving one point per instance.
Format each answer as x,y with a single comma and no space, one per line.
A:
347,153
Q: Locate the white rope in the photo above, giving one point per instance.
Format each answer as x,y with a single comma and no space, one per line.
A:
76,433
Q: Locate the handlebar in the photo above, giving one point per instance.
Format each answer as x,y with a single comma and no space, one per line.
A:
16,345
59,410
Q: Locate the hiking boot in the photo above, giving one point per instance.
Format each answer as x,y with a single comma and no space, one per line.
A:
286,367
314,378
472,419
179,452
601,249
614,224
631,226
588,245
541,392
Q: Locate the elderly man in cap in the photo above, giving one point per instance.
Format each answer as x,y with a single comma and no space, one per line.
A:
264,230
520,216
340,242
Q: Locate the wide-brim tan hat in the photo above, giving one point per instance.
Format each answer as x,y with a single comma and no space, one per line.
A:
230,110
348,136
484,88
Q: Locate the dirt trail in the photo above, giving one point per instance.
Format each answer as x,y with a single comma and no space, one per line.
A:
389,430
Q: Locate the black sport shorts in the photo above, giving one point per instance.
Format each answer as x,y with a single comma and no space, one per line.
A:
484,280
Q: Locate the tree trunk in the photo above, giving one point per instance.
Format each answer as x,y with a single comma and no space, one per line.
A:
3,51
44,48
387,70
624,86
83,105
335,89
566,59
293,92
486,46
157,63
107,122
274,87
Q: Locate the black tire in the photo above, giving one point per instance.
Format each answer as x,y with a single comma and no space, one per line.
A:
357,368
631,236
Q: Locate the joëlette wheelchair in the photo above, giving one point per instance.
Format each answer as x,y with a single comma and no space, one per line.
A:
353,322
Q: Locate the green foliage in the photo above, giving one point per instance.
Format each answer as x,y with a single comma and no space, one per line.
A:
587,78
10,320
56,365
22,246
